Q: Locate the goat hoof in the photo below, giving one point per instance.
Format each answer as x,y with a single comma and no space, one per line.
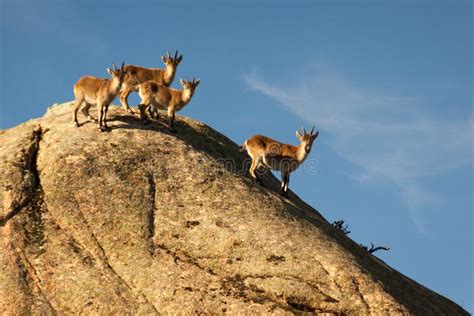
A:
76,124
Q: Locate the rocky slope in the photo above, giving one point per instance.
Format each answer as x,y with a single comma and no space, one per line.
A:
141,221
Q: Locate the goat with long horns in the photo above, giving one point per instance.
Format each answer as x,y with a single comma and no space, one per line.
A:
137,75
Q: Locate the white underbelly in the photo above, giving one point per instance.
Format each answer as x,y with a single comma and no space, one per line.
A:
279,164
90,100
272,163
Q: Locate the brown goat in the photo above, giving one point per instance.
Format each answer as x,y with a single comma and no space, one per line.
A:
161,97
274,155
136,75
92,90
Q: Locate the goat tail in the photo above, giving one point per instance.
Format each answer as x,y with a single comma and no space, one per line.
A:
243,147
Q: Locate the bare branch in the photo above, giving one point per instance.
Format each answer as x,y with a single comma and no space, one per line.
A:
373,248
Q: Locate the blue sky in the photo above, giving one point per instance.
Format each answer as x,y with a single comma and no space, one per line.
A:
389,86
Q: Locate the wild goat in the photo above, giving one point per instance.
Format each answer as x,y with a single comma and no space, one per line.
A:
285,158
92,90
136,75
161,97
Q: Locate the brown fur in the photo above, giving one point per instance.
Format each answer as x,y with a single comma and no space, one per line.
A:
274,155
92,90
137,75
154,95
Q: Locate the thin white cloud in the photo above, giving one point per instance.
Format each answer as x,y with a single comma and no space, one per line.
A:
387,137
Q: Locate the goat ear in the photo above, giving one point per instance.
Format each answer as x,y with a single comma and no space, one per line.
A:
179,59
181,81
198,81
164,59
298,135
110,71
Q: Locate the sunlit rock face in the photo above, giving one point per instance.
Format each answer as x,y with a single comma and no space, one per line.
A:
138,220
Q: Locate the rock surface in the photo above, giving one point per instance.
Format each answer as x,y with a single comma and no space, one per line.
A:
142,221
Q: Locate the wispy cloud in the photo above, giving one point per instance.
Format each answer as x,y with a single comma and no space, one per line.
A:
388,138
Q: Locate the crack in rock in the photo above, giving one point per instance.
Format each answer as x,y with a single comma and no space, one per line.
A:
105,260
187,259
361,296
36,280
32,168
151,212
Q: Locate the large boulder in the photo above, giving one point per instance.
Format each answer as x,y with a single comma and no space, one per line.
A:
142,221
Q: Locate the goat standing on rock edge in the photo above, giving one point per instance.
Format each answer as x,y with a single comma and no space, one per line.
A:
274,155
92,90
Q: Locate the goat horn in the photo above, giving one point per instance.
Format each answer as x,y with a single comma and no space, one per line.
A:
115,68
303,130
168,54
123,65
312,130
176,54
